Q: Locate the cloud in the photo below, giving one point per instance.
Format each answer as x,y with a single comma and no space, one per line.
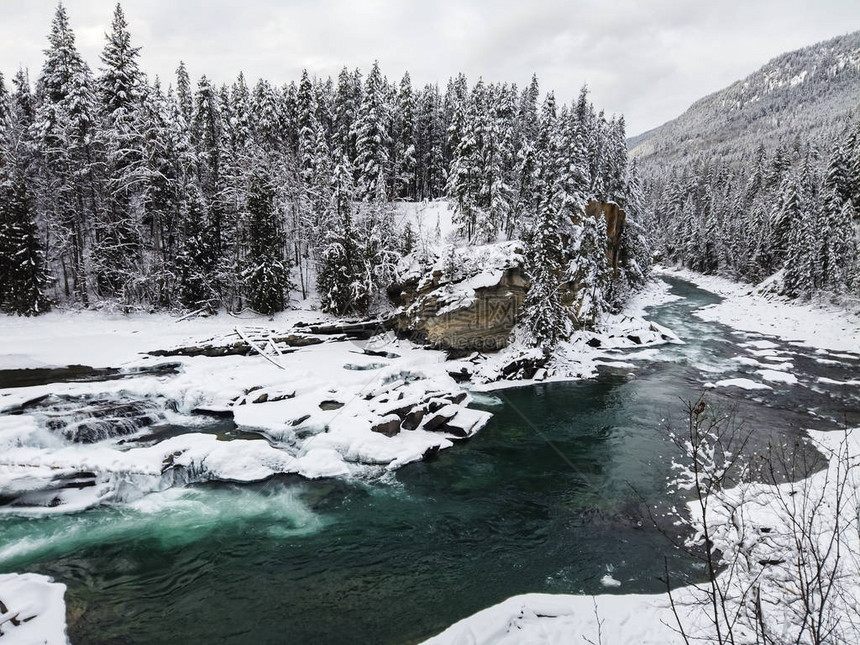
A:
647,60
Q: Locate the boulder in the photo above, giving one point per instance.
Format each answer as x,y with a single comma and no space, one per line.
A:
436,420
389,426
414,418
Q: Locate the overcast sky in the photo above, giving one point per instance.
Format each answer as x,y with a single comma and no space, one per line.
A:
646,59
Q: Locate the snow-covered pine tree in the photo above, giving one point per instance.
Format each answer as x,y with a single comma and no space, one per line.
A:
67,190
23,272
527,117
380,237
184,95
346,105
463,173
403,135
164,147
372,136
544,316
207,137
455,107
837,250
802,259
494,161
430,135
636,253
196,260
343,281
308,127
117,247
264,270
267,126
23,289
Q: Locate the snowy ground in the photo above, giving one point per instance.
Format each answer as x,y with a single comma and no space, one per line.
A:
31,610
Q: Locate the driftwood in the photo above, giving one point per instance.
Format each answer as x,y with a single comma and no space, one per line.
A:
357,330
259,349
239,346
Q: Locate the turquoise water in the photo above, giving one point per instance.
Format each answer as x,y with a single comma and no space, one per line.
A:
547,498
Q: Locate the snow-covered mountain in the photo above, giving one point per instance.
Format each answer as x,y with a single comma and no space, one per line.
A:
811,92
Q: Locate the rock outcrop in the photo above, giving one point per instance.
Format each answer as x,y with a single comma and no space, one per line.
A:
467,300
616,220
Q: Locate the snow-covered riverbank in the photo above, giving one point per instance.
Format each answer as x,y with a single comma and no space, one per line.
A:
325,405
752,308
762,535
754,524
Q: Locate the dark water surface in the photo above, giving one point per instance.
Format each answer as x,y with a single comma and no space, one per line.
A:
547,498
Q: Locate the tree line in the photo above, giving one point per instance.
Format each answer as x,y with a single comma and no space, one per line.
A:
116,190
794,210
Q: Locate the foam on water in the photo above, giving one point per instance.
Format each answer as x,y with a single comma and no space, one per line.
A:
171,518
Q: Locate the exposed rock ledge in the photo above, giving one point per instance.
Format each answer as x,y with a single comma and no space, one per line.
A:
467,300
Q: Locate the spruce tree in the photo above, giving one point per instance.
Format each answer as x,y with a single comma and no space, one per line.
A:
543,315
372,136
68,188
403,135
196,260
23,274
264,270
118,244
344,282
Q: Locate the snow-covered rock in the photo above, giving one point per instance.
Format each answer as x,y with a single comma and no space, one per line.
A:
32,610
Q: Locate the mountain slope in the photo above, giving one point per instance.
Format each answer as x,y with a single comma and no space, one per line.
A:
812,92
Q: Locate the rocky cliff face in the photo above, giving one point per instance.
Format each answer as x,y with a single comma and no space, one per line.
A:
469,299
616,220
466,300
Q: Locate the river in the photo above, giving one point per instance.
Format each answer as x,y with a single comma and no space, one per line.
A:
549,497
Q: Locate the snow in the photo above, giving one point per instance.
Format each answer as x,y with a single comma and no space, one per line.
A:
814,324
612,344
743,383
36,604
775,376
297,431
609,581
547,619
830,381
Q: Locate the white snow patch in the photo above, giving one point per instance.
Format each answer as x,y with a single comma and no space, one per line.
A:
743,383
760,344
777,377
609,581
830,381
36,604
746,360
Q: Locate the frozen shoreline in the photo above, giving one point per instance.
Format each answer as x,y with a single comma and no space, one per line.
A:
647,619
748,308
318,373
